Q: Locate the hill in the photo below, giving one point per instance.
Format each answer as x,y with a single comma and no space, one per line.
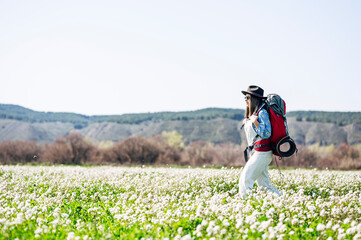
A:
8,111
212,124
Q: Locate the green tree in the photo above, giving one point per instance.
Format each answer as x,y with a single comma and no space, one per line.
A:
174,139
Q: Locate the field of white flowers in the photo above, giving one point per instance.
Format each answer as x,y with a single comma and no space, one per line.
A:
60,202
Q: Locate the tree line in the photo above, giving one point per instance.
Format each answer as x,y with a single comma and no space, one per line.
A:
339,118
8,111
165,149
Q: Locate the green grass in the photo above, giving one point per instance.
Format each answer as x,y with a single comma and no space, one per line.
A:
107,202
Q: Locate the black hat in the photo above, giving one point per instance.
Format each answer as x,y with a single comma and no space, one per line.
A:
255,91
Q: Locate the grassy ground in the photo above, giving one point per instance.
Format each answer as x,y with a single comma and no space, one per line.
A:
108,202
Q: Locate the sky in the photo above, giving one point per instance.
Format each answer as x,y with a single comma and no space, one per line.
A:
116,57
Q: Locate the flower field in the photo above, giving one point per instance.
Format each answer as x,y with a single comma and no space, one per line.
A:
61,202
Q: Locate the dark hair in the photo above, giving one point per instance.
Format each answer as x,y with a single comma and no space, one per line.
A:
253,106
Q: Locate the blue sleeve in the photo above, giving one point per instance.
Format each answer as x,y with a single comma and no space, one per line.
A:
264,129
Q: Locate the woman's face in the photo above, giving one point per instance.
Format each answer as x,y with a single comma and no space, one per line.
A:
247,98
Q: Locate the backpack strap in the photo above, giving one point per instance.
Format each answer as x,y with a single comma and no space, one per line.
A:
261,145
248,149
263,105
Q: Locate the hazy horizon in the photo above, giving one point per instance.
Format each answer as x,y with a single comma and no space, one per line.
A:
192,110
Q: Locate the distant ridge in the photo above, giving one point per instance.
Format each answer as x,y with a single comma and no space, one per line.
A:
16,112
216,125
9,111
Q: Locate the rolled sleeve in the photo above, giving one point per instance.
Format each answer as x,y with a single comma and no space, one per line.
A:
264,129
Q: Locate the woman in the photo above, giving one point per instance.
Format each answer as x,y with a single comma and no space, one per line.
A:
258,132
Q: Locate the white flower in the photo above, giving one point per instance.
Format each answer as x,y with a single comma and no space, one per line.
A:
329,224
71,236
294,221
351,231
341,236
55,222
186,237
147,192
320,227
226,223
323,213
264,225
270,212
216,229
281,216
357,236
335,227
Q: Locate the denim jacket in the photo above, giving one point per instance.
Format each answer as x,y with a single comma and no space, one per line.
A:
264,129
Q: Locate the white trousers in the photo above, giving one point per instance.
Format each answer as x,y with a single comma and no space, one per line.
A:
256,170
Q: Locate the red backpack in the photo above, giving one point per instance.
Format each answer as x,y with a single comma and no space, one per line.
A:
276,108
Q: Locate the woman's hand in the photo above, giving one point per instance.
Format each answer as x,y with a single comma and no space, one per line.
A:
244,121
254,120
